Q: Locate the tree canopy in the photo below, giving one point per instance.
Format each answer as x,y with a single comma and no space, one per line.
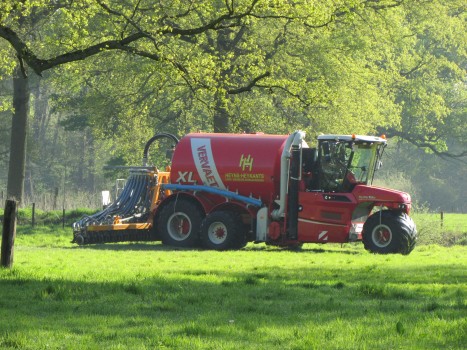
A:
117,71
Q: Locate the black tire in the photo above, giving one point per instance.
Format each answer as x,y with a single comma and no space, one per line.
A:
79,239
179,223
223,230
295,247
389,232
243,241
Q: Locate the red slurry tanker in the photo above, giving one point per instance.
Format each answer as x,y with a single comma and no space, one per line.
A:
224,190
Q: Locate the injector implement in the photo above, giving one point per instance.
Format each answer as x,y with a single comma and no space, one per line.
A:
222,191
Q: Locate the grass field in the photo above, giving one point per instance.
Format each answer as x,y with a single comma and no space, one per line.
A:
450,230
147,296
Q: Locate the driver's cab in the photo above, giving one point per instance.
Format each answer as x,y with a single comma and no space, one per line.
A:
342,161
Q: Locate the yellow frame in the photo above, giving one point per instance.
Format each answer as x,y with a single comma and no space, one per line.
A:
163,177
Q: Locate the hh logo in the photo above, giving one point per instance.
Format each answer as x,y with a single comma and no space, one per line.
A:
246,162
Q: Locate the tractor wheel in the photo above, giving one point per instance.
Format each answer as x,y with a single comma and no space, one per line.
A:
79,239
295,247
223,230
179,223
389,232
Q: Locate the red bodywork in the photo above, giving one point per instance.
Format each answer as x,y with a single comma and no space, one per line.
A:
330,217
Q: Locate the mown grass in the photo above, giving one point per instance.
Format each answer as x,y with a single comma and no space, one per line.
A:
148,296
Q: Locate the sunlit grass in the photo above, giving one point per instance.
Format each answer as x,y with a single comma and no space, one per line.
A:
147,296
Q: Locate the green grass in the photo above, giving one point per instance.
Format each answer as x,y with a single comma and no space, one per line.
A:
147,296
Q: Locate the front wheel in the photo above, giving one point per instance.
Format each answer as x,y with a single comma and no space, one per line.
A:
223,230
389,232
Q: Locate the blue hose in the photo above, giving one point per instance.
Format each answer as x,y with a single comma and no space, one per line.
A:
214,190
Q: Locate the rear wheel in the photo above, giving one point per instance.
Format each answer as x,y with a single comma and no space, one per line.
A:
387,232
179,223
295,247
223,230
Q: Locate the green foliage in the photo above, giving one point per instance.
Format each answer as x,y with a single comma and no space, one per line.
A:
431,61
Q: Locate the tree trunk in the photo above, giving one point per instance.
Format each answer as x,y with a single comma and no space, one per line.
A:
16,170
221,117
29,181
41,111
91,186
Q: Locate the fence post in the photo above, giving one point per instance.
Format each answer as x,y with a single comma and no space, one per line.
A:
63,218
33,219
442,218
8,233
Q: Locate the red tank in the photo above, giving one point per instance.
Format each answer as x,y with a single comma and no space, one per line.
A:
247,163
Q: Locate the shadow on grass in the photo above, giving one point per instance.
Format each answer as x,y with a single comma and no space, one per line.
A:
158,246
127,246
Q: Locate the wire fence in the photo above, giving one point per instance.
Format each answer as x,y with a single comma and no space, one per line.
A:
442,220
54,208
441,228
56,200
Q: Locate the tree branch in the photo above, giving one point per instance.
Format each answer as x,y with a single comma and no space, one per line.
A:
414,69
420,143
375,4
372,4
127,19
250,86
40,65
287,91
